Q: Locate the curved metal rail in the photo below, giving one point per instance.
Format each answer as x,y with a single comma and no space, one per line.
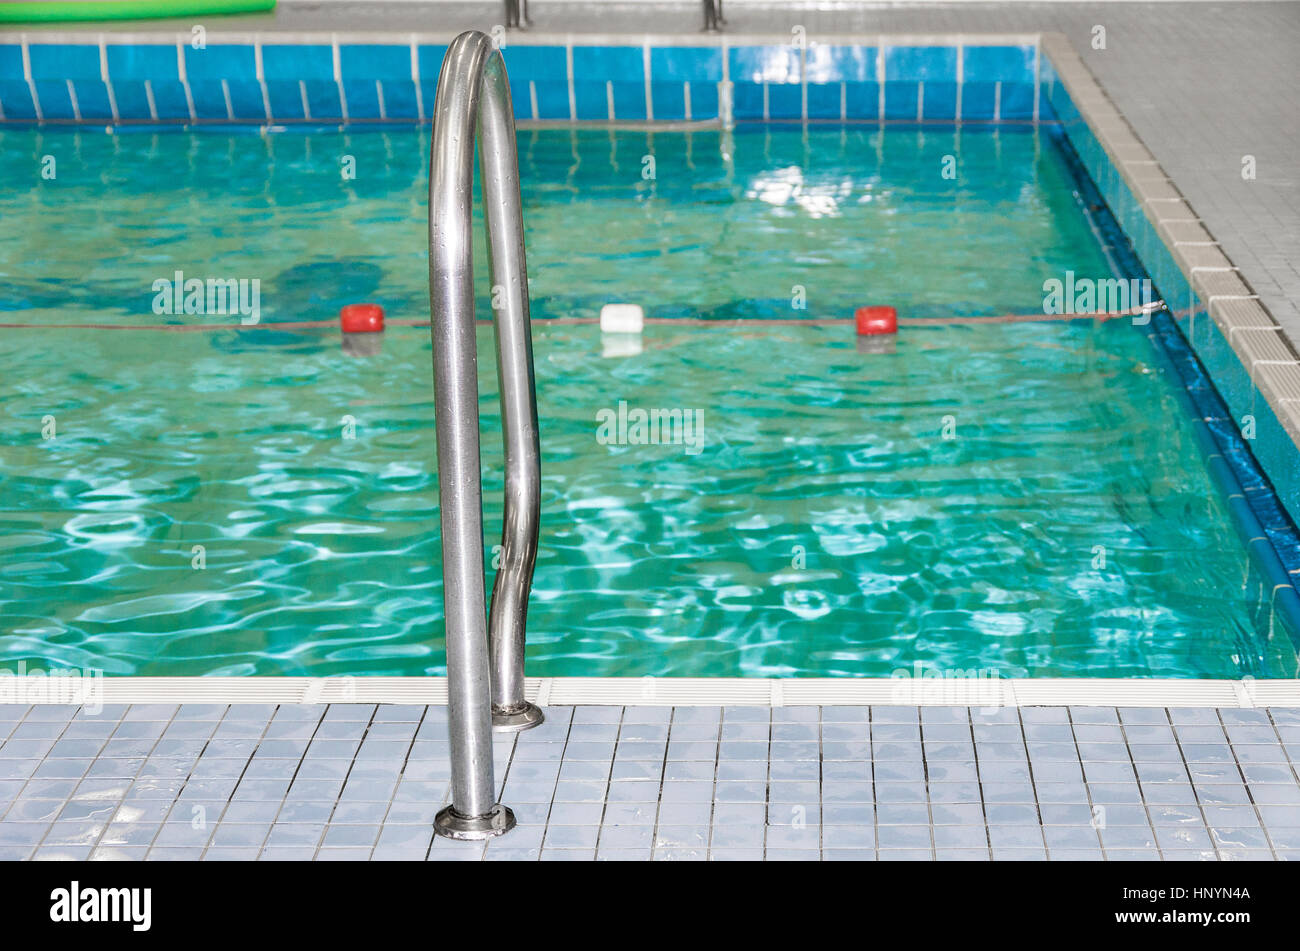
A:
713,21
517,14
473,92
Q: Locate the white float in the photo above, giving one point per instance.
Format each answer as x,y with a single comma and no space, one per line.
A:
622,319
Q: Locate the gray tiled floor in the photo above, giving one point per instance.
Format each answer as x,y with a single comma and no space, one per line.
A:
1204,84
357,781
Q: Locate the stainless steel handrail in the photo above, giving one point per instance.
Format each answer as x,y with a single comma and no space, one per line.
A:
485,685
713,21
517,14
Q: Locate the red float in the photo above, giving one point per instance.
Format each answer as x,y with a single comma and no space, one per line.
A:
361,318
872,321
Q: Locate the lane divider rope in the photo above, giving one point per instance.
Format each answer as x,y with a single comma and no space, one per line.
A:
696,322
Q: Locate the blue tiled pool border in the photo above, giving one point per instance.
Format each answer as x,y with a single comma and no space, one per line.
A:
1237,383
60,77
1271,537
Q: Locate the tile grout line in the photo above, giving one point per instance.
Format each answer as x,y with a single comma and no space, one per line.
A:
767,786
1083,779
1250,793
293,780
546,824
176,797
875,796
352,762
821,782
406,760
26,782
1142,799
925,782
979,781
663,772
143,763
76,785
1290,767
499,740
609,783
1196,794
1033,783
717,768
244,772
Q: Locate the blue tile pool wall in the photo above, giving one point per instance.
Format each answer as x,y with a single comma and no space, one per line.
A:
1272,446
904,83
1268,531
297,80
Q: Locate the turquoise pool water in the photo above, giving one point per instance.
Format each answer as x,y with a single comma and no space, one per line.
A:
1019,498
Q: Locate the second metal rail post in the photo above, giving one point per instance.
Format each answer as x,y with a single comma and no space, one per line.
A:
713,21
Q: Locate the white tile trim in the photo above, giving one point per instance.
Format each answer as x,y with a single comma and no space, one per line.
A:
184,77
961,79
688,691
261,80
338,75
568,71
1038,74
415,76
645,68
880,78
72,95
103,76
31,83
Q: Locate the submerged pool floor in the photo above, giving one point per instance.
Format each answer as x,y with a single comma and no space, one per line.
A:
1009,498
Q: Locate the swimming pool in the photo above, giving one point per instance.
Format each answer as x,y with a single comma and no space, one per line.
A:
1020,497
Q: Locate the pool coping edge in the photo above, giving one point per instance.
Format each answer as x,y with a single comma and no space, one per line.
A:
923,690
1230,301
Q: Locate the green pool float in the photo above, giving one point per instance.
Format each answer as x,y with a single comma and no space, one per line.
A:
61,10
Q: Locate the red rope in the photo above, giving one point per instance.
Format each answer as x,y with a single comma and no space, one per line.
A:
662,321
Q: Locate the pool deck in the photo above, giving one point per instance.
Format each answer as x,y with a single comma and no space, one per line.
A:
363,781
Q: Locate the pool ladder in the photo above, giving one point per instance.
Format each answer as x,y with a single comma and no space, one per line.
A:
713,21
485,665
517,15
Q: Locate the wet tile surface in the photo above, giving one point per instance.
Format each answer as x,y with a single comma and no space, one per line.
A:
363,781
